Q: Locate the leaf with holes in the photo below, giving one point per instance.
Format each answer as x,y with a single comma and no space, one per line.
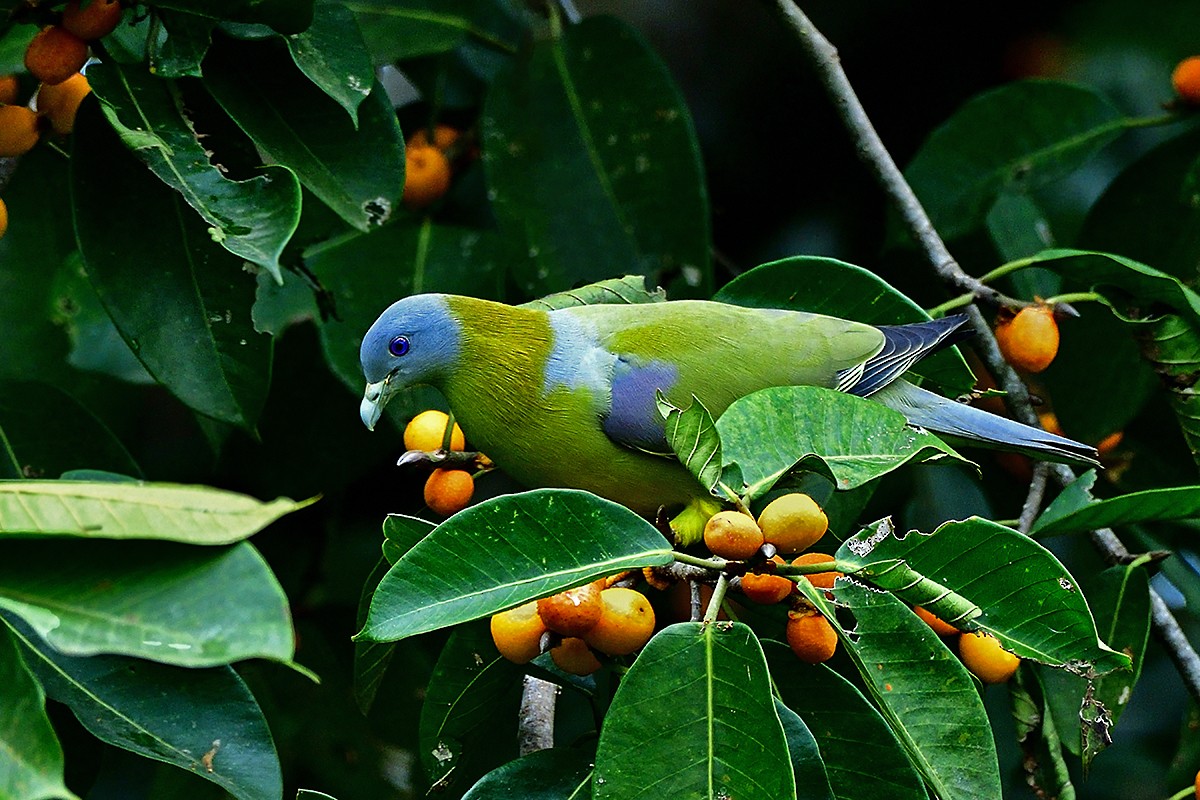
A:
252,219
1028,599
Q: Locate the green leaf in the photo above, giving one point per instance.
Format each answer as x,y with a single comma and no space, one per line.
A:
698,698
526,546
31,254
187,40
397,31
367,273
181,302
469,717
1171,344
1075,511
1155,193
693,437
401,533
357,171
769,432
32,765
285,16
945,731
105,510
1144,284
1018,228
252,219
807,767
1120,599
45,432
371,659
1015,138
593,115
193,607
1046,770
211,727
313,794
1028,599
861,754
619,291
828,286
334,57
13,44
555,774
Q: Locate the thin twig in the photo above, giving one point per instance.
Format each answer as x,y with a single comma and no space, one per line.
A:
824,58
1033,500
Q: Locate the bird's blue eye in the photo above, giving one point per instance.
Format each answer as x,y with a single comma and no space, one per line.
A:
398,346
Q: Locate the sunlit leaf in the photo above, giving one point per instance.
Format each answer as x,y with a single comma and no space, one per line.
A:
32,765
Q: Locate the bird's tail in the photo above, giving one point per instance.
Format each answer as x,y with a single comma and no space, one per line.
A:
976,426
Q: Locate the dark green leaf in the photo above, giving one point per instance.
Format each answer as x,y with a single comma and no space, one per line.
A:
593,115
96,344
13,44
358,172
1075,511
627,290
401,533
32,765
211,727
1171,344
713,721
313,794
107,510
1028,599
31,254
252,219
1156,193
862,757
44,432
526,546
181,302
1144,284
555,774
469,717
397,31
693,437
1120,599
371,659
1045,768
807,767
334,57
1014,138
767,433
182,51
1083,372
1018,228
828,286
946,731
190,606
285,16
367,273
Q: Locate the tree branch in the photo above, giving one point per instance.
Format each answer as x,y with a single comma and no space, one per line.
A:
535,722
824,58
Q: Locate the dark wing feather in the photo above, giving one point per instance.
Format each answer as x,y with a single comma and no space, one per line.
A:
903,346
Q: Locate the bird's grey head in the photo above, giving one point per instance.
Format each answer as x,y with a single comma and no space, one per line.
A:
414,341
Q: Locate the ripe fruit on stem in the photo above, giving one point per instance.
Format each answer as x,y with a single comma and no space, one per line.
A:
574,657
626,622
733,535
55,54
821,580
793,522
766,588
518,633
96,20
810,636
18,130
448,491
1028,340
427,431
426,176
1186,80
939,627
573,612
61,101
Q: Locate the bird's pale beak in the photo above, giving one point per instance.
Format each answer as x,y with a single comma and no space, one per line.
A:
375,397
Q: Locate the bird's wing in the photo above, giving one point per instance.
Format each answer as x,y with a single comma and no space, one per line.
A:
714,351
903,346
